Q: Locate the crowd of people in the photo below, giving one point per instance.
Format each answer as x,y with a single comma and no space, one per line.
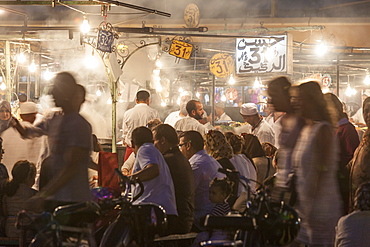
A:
307,142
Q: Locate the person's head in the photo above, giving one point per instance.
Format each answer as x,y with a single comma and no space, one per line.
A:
220,190
28,111
252,146
195,109
64,90
235,141
143,96
165,137
366,111
219,108
22,97
249,113
217,145
79,99
362,197
313,104
5,110
153,123
336,107
269,149
141,135
278,90
23,172
184,99
190,142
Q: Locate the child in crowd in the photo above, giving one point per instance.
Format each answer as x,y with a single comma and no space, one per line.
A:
17,191
219,191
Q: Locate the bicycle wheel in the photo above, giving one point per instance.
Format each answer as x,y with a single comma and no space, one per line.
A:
118,234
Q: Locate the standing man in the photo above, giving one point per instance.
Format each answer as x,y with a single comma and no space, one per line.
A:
139,115
152,170
18,148
175,116
259,126
205,169
274,120
191,122
167,141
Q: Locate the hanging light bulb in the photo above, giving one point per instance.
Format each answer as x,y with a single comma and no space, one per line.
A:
48,75
163,104
109,101
223,98
2,86
85,26
257,83
181,90
231,80
158,64
367,79
350,91
321,49
98,92
197,94
21,58
32,67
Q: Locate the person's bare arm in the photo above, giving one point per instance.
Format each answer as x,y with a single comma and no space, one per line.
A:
149,172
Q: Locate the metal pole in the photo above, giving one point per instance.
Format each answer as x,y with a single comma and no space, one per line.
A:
114,114
338,76
213,100
8,80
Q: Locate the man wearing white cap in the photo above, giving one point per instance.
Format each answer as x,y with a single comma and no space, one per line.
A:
259,126
17,148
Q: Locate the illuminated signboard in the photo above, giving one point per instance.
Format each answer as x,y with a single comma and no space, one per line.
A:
180,49
264,54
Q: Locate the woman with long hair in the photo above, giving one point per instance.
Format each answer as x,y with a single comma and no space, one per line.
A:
315,157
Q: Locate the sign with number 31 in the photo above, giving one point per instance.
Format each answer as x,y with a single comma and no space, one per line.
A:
181,49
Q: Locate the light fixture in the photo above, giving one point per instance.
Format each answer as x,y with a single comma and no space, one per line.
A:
159,88
2,86
163,104
21,58
98,92
231,80
350,91
48,75
257,83
197,94
321,49
32,67
367,78
158,64
223,98
181,90
85,26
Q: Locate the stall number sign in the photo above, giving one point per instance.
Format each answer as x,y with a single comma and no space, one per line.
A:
181,49
105,41
261,54
221,65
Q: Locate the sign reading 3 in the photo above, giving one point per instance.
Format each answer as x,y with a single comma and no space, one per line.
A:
222,65
180,49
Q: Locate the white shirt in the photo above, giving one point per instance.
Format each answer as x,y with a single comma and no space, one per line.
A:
276,127
172,118
223,117
189,123
263,131
137,116
245,167
17,148
159,190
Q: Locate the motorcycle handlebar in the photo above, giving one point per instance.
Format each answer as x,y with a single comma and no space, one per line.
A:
128,181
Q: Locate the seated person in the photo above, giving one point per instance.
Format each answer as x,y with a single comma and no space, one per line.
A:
17,191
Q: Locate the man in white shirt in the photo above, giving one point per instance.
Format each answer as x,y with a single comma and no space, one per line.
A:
220,114
173,117
273,119
258,126
137,116
190,122
17,148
